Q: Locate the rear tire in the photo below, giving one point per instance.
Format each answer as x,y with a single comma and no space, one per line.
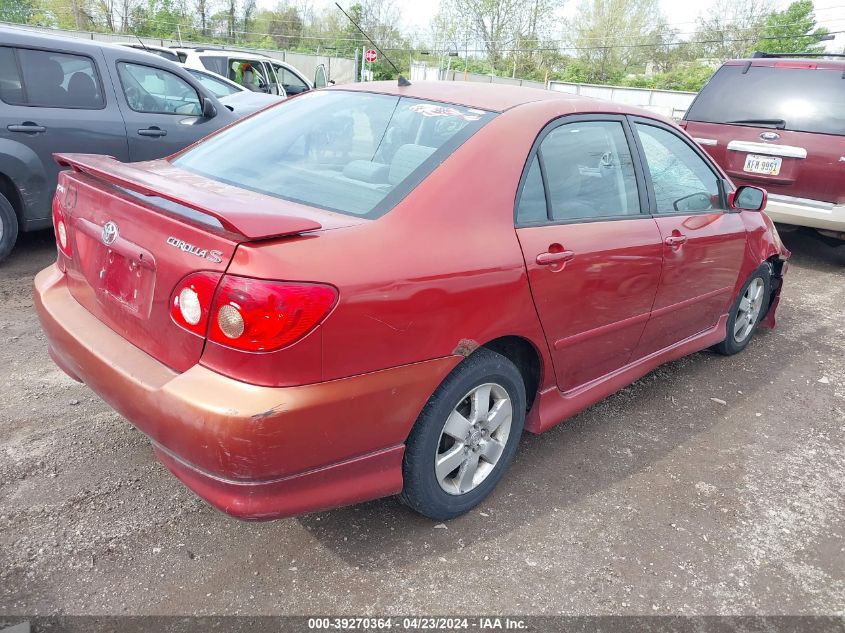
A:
748,310
465,437
8,227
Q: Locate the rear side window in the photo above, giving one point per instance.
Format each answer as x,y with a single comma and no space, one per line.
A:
589,171
532,200
351,152
11,90
214,63
49,79
799,99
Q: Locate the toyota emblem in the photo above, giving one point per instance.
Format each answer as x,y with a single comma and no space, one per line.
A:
770,136
109,233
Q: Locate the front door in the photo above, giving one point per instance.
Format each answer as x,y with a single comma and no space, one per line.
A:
593,258
163,112
703,243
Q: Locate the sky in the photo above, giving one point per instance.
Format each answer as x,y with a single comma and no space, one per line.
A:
681,14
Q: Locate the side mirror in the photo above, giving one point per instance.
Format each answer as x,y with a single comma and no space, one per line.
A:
748,198
208,109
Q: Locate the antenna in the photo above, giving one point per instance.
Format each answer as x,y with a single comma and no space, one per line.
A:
402,80
142,43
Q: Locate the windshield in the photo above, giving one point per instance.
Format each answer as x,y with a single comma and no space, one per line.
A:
798,99
214,86
351,152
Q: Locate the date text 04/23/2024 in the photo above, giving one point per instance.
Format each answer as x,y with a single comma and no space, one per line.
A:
416,623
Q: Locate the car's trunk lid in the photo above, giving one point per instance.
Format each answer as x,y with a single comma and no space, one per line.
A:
136,230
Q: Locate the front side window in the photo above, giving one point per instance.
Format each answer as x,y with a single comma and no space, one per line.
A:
156,91
351,152
682,181
50,79
292,83
589,171
251,75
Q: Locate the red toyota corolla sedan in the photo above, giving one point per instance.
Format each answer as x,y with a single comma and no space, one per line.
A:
373,290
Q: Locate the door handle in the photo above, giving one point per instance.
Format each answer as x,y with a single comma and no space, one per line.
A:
152,131
675,240
547,259
29,128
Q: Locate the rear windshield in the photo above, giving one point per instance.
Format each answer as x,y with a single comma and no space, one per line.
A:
351,152
799,99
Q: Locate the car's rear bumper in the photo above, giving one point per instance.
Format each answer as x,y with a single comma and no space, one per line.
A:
253,452
805,212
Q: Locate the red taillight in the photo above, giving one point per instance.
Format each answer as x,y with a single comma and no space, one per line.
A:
191,301
256,315
60,229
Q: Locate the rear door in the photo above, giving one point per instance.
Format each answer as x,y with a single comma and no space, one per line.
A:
777,124
703,243
60,105
593,258
163,112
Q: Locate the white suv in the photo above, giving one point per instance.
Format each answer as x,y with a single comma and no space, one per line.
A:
270,75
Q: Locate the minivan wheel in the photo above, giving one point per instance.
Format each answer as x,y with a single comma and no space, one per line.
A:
747,311
8,227
465,438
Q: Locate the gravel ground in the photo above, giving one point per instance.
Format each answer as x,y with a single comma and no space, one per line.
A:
659,500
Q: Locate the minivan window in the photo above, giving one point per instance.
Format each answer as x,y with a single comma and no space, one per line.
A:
351,152
51,80
798,99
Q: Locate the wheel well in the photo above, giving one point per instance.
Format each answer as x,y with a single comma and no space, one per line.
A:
522,353
8,189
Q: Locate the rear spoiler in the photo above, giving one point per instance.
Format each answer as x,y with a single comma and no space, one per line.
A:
259,218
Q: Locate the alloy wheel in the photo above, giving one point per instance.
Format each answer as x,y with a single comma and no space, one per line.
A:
749,309
473,438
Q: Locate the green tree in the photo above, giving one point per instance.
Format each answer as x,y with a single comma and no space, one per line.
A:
19,11
792,30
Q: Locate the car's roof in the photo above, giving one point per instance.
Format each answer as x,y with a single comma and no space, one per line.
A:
20,35
491,97
820,63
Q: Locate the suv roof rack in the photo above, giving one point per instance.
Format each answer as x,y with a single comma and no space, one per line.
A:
760,54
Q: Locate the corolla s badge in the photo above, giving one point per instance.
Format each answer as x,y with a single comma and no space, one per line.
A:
109,233
215,257
770,136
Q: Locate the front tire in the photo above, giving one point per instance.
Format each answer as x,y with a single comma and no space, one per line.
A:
465,438
747,311
8,227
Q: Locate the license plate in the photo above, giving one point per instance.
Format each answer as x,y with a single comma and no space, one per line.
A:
757,164
126,282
